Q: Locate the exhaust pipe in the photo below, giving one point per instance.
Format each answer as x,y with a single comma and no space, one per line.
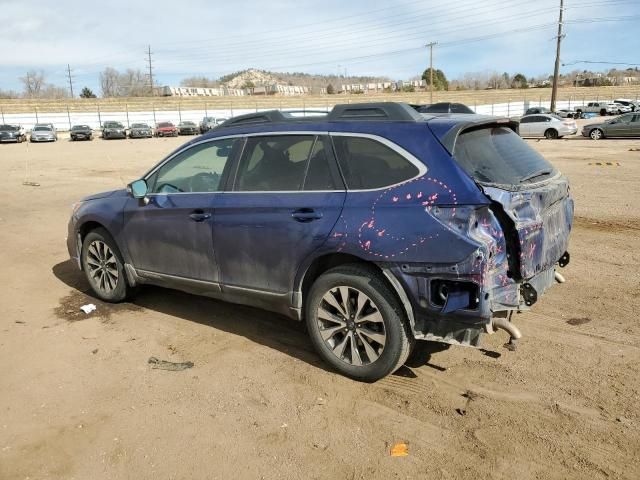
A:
510,328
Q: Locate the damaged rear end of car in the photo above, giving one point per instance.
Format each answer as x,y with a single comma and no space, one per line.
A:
514,239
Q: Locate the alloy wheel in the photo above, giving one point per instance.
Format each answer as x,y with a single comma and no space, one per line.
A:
102,265
596,134
351,326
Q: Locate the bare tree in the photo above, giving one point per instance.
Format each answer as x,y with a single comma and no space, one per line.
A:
133,83
9,94
33,83
109,82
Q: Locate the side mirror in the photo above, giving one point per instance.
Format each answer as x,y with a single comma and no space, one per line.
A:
138,189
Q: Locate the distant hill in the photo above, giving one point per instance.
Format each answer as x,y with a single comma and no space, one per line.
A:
258,78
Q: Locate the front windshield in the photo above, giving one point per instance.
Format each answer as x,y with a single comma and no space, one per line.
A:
165,124
81,127
9,128
114,125
189,124
42,129
139,125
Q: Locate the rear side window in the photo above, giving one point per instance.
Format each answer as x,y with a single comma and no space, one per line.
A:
320,174
366,163
275,163
498,155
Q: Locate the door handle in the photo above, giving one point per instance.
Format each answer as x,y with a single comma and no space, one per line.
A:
305,215
199,216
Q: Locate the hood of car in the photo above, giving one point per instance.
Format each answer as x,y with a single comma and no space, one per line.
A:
111,193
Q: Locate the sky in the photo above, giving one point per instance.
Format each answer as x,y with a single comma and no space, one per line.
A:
359,37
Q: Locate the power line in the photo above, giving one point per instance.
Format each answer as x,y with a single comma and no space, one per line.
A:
556,68
70,81
150,70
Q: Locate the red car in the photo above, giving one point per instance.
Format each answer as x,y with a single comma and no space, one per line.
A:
166,129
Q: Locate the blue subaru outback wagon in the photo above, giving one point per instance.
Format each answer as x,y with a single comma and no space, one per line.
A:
374,224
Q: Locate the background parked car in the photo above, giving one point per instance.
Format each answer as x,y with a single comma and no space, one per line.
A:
443,107
113,130
622,108
12,133
627,125
140,130
536,110
43,132
209,123
546,125
602,108
166,129
566,113
634,105
187,128
81,132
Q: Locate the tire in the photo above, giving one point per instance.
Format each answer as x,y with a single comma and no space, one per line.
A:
551,134
603,112
596,134
104,268
387,342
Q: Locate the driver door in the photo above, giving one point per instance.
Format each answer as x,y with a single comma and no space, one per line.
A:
169,232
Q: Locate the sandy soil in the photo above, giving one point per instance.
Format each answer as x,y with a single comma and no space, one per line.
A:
79,401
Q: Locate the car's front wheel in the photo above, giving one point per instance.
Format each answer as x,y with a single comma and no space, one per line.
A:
596,134
104,267
356,323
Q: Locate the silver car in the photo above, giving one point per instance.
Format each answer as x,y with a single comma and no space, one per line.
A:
43,132
546,125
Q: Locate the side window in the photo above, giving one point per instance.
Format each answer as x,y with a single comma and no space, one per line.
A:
321,174
367,163
526,120
198,169
276,163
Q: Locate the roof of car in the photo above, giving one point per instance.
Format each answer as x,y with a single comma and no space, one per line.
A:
445,126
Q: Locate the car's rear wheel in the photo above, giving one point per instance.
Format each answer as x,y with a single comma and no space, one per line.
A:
551,134
356,324
603,112
104,267
596,134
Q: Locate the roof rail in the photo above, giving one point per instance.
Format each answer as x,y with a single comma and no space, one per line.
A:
391,111
269,116
378,111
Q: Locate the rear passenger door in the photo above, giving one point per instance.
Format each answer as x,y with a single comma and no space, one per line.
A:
286,197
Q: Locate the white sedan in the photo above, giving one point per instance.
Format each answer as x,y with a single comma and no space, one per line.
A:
546,125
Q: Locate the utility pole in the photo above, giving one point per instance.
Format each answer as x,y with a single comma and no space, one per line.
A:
431,45
556,70
150,70
70,81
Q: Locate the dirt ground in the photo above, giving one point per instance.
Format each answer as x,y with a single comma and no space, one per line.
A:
78,399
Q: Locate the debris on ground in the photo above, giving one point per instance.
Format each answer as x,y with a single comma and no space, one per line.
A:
21,322
88,308
31,184
578,321
400,450
470,396
94,351
172,366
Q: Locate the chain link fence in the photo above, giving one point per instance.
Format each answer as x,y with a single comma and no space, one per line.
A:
64,115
